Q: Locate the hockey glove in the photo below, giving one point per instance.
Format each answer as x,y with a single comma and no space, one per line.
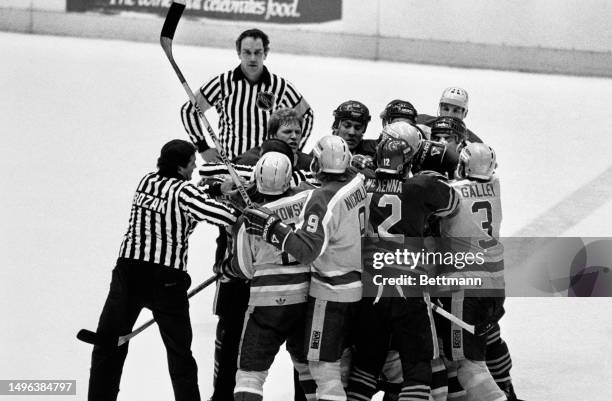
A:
262,222
211,186
362,161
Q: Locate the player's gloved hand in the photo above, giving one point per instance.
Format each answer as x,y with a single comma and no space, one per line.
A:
235,197
211,186
362,161
262,222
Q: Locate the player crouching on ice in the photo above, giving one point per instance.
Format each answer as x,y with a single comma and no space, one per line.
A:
327,238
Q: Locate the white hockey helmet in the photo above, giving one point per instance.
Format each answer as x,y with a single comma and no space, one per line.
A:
331,155
273,173
455,96
476,160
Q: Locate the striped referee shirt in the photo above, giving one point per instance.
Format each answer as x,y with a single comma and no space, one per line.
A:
244,109
164,213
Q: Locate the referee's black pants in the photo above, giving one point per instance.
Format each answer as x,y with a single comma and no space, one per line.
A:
163,290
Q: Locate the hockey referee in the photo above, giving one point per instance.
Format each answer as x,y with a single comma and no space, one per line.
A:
244,98
151,272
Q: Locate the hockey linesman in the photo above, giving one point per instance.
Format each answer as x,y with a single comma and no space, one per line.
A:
474,227
151,272
244,98
279,284
398,208
328,238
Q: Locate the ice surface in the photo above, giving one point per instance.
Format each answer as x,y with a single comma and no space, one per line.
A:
83,120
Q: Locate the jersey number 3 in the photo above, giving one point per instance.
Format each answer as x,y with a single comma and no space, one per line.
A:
486,224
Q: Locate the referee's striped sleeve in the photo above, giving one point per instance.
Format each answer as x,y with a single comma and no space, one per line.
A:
202,208
307,122
211,170
293,99
206,96
193,127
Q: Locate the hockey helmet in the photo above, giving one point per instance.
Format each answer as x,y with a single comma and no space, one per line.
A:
273,173
476,160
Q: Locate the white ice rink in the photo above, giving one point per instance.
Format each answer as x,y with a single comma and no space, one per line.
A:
82,120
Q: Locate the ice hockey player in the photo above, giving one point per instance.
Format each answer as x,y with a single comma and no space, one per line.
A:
398,207
279,284
328,239
474,227
283,125
430,155
453,103
232,295
351,120
452,132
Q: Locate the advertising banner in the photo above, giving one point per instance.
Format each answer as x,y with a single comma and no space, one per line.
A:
273,11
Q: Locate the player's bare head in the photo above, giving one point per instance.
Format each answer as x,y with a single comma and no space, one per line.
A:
449,130
398,110
331,155
476,161
351,120
453,103
177,159
254,34
286,124
273,174
399,143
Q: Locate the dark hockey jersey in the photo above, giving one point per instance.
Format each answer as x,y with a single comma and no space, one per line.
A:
402,208
427,120
435,156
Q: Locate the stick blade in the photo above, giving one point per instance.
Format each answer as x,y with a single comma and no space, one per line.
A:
90,337
172,18
87,336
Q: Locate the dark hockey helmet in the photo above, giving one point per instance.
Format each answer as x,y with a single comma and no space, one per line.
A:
449,126
352,110
398,145
398,109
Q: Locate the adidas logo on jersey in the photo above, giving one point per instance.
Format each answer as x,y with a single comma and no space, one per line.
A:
274,239
280,301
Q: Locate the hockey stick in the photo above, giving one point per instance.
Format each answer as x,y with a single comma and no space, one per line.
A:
466,326
91,337
167,34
